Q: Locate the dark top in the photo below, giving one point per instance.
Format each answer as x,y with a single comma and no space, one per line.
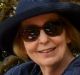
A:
30,68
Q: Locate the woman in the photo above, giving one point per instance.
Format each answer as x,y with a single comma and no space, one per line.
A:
47,33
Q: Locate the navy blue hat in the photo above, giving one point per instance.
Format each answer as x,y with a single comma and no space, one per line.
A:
30,8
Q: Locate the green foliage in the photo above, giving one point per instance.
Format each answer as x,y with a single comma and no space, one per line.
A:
7,8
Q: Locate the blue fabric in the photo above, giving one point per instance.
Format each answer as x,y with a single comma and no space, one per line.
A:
30,68
55,4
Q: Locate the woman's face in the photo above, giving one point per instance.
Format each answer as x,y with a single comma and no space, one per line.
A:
46,50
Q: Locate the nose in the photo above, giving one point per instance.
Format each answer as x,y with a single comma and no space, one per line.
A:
43,38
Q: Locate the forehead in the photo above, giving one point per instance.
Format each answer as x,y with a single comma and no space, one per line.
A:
41,19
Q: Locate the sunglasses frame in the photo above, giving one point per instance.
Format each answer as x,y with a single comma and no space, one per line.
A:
56,26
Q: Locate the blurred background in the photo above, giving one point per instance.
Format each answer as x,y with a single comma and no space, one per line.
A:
7,9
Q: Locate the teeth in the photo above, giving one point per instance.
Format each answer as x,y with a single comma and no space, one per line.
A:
47,50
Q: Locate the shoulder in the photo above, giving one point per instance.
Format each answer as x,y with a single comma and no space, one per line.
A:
22,69
74,67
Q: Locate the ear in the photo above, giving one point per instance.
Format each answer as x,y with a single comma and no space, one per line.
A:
68,40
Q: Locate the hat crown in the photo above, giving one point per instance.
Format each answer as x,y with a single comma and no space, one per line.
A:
21,1
29,4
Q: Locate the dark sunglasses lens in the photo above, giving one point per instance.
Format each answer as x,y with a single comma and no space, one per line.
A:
53,28
30,33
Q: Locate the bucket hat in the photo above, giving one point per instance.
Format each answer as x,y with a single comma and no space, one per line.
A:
29,8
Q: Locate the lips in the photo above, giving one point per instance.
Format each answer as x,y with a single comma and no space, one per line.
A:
47,50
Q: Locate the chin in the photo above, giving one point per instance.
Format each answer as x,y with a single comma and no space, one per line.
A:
48,62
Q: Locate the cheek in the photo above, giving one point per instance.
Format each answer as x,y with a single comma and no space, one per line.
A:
30,45
62,39
61,43
57,40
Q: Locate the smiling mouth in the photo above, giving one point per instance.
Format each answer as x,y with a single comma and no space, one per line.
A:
47,50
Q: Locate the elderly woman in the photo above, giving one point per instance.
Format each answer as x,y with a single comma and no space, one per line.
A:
46,32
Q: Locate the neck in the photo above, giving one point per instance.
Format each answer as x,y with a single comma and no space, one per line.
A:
57,69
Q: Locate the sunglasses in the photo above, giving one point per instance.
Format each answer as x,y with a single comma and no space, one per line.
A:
31,33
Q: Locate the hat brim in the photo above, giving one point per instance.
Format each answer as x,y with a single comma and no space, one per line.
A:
8,28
